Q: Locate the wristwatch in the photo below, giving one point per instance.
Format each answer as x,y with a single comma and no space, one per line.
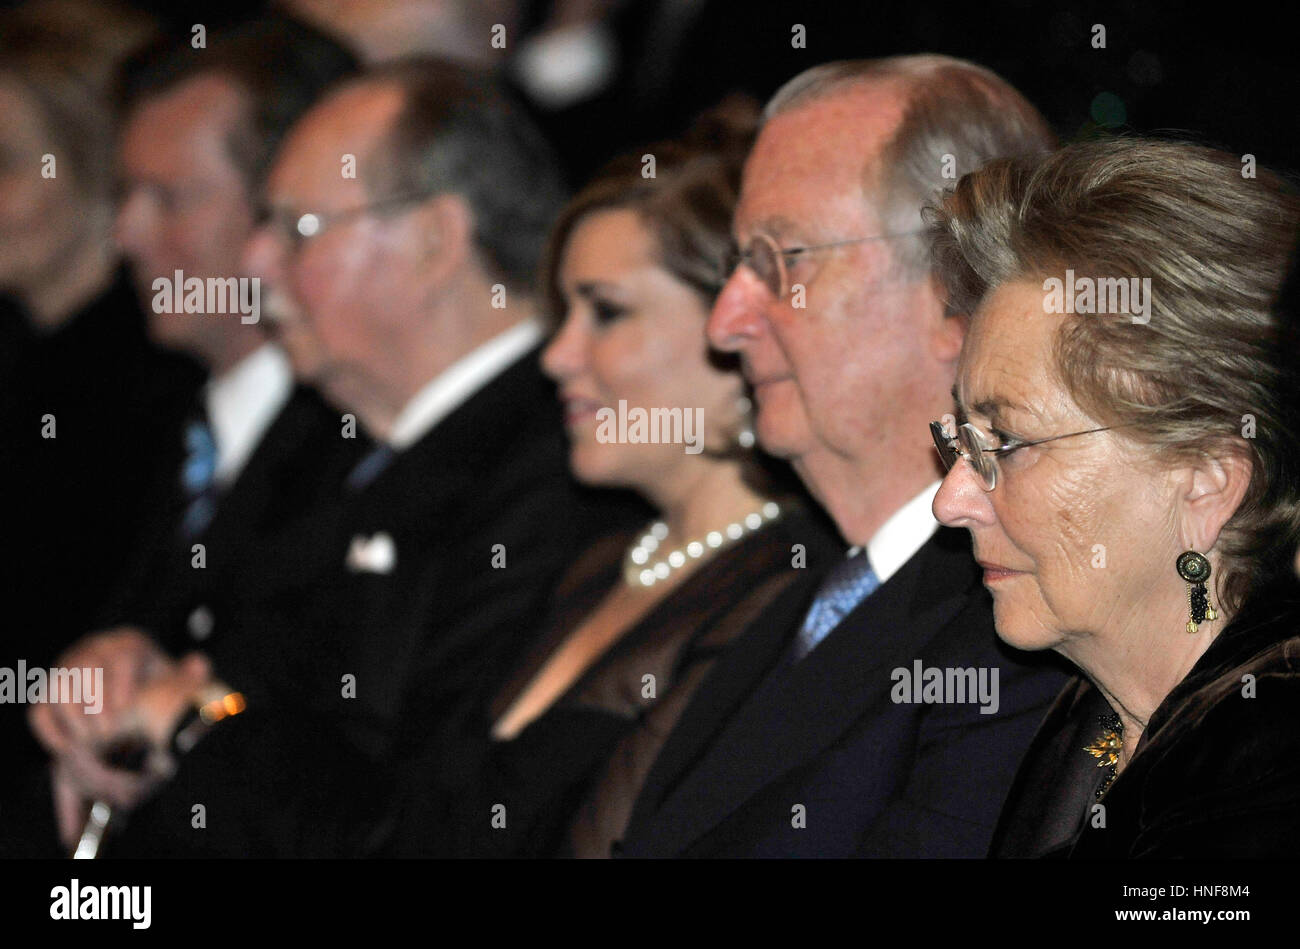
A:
213,704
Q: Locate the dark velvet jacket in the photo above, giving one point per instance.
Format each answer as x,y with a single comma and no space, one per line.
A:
569,779
1215,774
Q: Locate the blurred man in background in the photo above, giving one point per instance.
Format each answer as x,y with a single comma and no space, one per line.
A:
406,212
386,30
83,392
257,452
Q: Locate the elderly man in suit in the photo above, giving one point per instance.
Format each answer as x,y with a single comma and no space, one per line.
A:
257,451
405,214
405,297
835,727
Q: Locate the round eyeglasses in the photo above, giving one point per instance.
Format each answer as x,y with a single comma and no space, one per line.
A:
971,444
295,229
771,262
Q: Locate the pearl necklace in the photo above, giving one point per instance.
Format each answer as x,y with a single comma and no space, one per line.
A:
638,571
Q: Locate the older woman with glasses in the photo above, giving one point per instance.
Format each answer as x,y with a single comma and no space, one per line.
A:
1126,464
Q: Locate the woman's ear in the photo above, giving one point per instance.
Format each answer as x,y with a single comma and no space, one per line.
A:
1214,488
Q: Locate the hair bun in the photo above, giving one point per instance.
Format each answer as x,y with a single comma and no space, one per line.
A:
728,127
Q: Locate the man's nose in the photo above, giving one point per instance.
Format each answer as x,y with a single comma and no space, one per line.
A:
961,500
134,224
263,255
736,317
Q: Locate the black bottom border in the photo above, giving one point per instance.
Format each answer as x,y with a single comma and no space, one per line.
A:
543,897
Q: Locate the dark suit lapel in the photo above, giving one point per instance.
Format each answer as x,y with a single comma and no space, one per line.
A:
288,498
274,467
738,672
432,501
810,704
450,460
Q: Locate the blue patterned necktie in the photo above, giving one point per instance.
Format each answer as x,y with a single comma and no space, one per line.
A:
198,478
370,467
851,582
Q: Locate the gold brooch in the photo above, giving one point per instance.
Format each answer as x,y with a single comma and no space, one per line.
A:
1106,747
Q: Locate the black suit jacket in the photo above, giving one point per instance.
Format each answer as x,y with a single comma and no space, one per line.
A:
72,505
360,667
766,744
482,516
294,474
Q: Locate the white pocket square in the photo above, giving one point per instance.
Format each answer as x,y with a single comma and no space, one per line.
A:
377,554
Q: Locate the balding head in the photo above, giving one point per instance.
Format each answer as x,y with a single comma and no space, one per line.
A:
844,334
399,203
951,117
457,132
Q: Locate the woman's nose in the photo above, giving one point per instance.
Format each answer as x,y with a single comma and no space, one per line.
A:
563,355
961,500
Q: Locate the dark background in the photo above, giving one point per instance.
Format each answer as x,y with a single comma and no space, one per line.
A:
1223,74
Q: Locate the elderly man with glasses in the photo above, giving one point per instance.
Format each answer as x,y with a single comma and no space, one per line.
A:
872,711
402,220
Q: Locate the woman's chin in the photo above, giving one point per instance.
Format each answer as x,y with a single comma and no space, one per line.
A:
1020,630
590,465
584,475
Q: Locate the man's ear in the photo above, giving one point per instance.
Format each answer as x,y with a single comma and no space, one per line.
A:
949,329
446,234
1214,487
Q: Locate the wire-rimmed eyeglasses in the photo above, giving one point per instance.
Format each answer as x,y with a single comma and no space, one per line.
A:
298,228
970,443
771,262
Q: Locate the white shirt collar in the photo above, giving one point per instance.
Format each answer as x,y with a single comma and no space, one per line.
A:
902,535
243,402
454,385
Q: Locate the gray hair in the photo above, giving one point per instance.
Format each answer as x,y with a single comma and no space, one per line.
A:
1213,349
957,116
457,132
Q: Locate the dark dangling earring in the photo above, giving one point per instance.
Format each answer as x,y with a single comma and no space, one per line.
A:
1195,569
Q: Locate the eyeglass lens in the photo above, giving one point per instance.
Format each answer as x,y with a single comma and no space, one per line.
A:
971,446
762,256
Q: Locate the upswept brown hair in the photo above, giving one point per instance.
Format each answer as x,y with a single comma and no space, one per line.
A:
1215,245
686,206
